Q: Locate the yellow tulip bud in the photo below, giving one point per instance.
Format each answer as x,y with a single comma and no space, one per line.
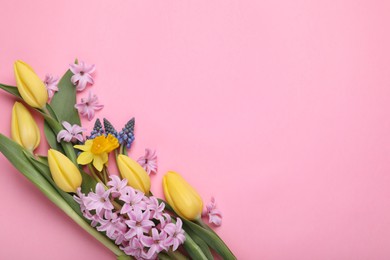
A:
183,198
136,176
65,174
30,86
24,130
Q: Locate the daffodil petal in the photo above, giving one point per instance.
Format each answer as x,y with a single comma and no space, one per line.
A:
85,158
86,147
100,160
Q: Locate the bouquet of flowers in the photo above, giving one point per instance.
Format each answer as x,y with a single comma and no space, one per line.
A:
120,212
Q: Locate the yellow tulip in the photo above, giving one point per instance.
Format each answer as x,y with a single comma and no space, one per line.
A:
65,174
24,130
183,198
30,86
136,176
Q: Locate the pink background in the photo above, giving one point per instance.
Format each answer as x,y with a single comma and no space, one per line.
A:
280,109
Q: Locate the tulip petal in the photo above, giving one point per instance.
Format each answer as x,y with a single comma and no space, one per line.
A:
65,174
30,86
182,197
24,128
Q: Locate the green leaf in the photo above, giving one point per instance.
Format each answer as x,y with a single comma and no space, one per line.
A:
51,138
212,239
15,154
88,184
124,257
163,256
202,245
64,100
193,249
45,171
11,89
52,112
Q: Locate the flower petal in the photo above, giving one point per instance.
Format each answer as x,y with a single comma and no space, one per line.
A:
85,158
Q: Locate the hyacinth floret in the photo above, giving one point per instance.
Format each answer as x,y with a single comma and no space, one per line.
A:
97,130
142,230
126,136
109,128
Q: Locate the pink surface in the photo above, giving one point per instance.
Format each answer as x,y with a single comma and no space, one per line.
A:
280,109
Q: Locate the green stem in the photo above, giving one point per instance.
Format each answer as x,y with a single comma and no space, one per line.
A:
80,221
203,225
93,173
56,127
177,255
105,174
163,256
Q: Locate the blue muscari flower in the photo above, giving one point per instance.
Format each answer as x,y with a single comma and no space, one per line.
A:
97,130
126,136
109,128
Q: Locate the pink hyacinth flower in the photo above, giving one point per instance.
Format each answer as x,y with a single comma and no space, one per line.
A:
71,133
88,106
51,84
215,215
176,232
133,200
156,243
139,223
149,161
135,248
116,185
99,200
82,75
156,209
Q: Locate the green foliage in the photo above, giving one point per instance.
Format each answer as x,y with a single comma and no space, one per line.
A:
64,100
212,239
201,244
11,90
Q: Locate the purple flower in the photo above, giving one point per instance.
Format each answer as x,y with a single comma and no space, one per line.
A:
116,185
81,199
88,106
51,84
113,225
149,161
139,223
82,75
133,200
156,243
176,232
134,248
99,200
164,219
155,208
71,133
215,215
140,227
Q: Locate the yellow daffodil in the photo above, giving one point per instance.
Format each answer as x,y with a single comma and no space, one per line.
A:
96,151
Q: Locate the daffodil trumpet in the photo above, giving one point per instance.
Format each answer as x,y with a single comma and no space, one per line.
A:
96,151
